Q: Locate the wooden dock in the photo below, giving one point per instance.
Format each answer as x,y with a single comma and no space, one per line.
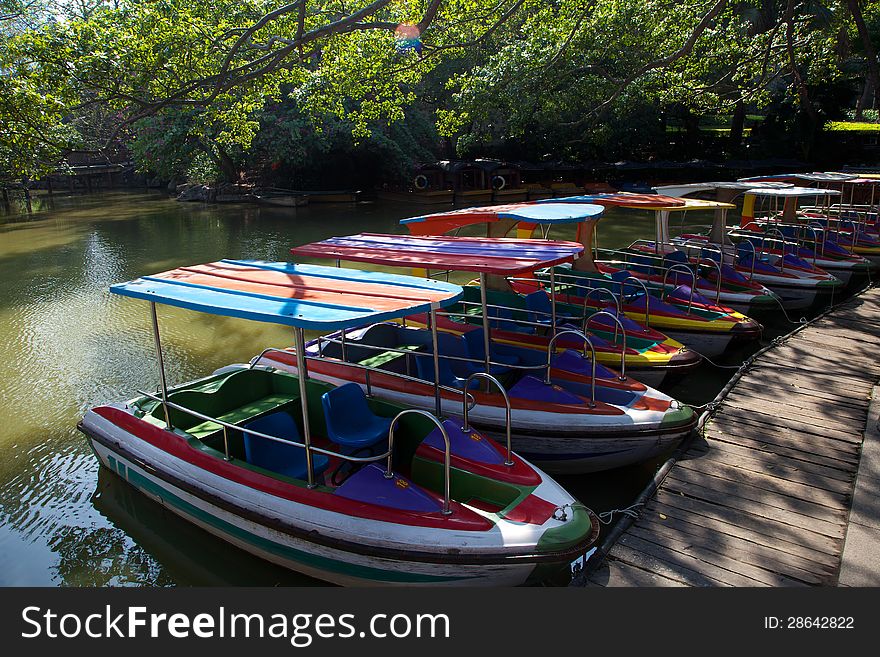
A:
763,497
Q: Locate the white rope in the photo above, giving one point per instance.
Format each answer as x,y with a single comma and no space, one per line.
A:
606,516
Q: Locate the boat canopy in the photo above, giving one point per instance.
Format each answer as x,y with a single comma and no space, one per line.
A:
531,213
621,200
790,192
502,256
647,202
302,296
816,177
692,188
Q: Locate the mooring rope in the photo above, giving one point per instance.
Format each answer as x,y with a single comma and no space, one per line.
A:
606,516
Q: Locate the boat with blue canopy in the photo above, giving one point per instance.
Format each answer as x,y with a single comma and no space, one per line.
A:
319,477
680,312
563,410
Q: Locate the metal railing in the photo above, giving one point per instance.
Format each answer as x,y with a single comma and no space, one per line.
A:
412,379
446,451
587,321
685,270
592,359
466,428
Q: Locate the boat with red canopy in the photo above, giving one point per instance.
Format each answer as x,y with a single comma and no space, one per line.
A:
565,411
680,313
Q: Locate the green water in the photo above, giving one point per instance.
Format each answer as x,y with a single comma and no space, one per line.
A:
66,345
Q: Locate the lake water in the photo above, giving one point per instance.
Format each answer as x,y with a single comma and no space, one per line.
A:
66,345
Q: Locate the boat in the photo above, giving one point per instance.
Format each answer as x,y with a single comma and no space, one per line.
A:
567,413
281,199
526,332
664,265
427,197
681,314
802,279
322,479
333,196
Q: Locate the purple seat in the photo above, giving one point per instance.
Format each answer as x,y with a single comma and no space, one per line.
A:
370,485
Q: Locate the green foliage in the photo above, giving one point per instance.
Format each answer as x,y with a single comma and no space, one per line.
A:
205,88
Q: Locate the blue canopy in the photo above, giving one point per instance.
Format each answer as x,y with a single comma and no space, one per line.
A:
558,213
304,296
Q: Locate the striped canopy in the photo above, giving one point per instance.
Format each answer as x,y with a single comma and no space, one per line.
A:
530,213
502,256
304,296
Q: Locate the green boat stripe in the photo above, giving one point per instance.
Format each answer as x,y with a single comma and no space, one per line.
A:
324,563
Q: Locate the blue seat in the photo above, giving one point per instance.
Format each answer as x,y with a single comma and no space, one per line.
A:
477,349
350,422
505,321
540,304
285,459
447,377
450,344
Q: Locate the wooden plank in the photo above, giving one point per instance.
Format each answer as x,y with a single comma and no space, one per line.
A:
746,520
808,407
779,467
733,499
717,555
783,411
766,375
743,424
614,573
686,479
851,399
795,566
665,514
712,574
844,463
841,436
677,573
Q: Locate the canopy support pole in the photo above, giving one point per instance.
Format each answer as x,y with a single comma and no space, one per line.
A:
552,302
436,346
162,380
302,373
485,311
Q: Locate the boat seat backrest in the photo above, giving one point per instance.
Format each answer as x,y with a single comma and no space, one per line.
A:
675,257
239,388
345,408
277,456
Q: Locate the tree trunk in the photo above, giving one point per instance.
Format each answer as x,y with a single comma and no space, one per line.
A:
737,124
864,100
870,53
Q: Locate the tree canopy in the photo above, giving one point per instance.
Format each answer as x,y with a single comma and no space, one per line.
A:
213,88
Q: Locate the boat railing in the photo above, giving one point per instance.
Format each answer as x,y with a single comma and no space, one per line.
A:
446,450
312,449
507,409
367,370
818,244
587,342
661,259
614,298
754,256
617,321
701,259
685,270
622,283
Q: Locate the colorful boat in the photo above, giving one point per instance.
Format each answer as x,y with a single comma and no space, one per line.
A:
856,231
319,478
756,255
681,314
664,265
567,413
649,356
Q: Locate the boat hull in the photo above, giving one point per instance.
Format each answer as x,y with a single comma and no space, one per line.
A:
293,535
556,442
